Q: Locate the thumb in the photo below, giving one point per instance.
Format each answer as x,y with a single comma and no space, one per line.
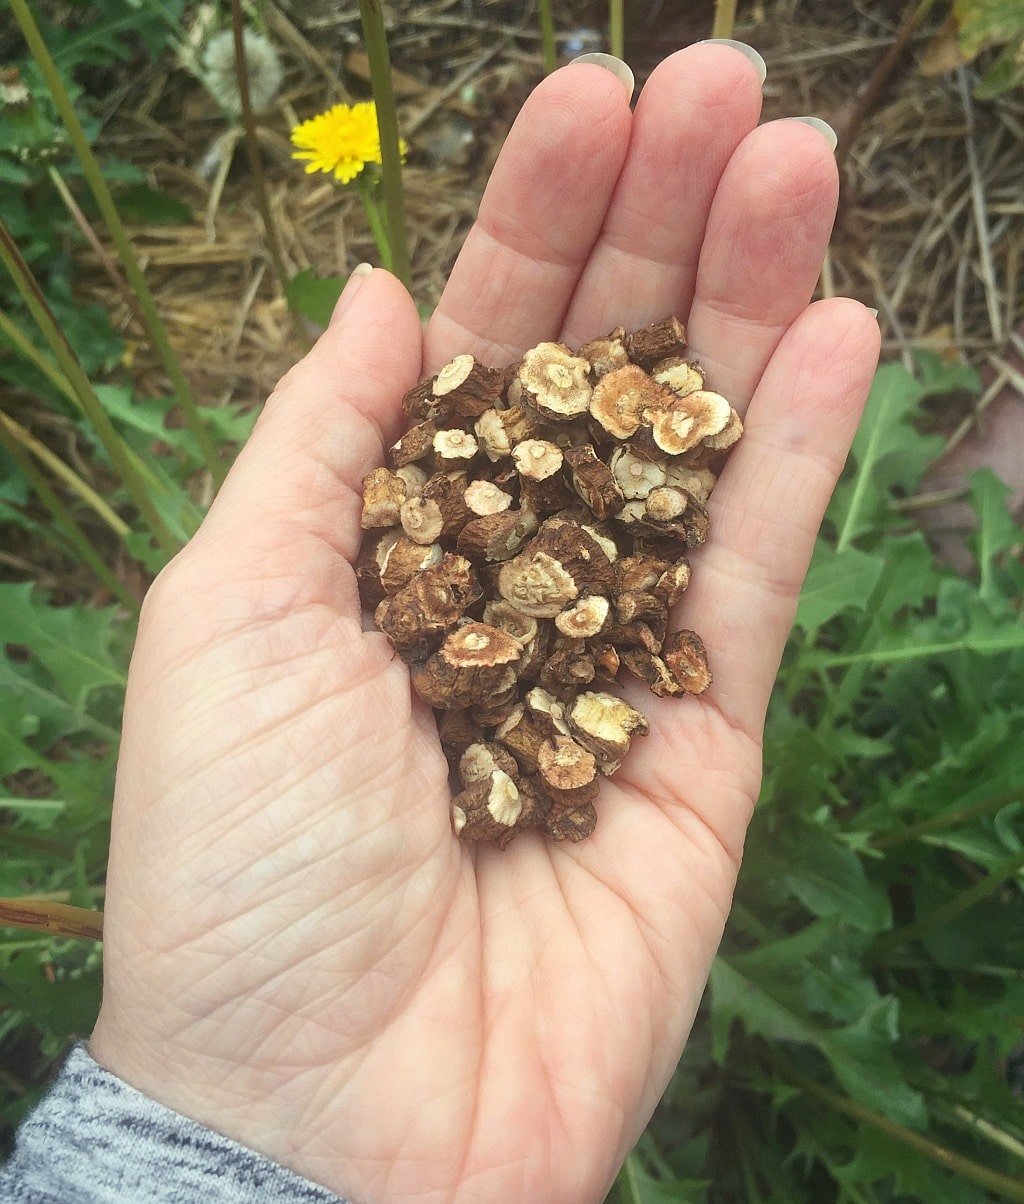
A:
326,425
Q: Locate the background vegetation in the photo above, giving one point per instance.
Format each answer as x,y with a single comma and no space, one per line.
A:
862,1036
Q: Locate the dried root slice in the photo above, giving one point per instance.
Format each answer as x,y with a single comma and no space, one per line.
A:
681,376
525,544
687,660
688,420
383,495
606,354
606,725
472,665
489,809
623,396
555,382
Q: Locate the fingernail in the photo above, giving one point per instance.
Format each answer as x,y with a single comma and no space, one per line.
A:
352,286
823,128
872,312
610,63
747,51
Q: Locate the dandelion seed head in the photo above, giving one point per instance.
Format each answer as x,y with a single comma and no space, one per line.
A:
261,60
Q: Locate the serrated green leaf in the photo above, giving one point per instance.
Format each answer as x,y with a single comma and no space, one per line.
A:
74,643
635,1186
859,1053
830,882
836,581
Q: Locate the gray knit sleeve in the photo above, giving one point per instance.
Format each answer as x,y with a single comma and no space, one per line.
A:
93,1139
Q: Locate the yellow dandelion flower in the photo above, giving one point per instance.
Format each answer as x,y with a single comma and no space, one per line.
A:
340,142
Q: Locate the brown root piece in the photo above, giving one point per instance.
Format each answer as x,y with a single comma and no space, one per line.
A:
573,825
496,537
526,543
593,481
401,559
467,388
488,810
555,382
636,475
474,663
606,354
416,444
606,724
483,498
420,613
569,768
657,341
621,399
687,660
481,758
383,495
688,420
681,376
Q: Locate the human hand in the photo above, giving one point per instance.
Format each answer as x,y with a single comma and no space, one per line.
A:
299,953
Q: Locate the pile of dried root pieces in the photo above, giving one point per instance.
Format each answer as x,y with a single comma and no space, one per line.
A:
527,540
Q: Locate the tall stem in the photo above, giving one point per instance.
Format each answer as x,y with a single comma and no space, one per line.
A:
62,519
616,28
871,91
1001,1185
725,18
949,911
252,147
387,122
99,250
376,219
60,919
33,297
17,337
64,472
547,35
105,202
946,819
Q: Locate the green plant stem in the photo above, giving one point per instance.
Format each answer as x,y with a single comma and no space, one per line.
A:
947,819
1002,1185
617,28
64,472
252,147
725,18
18,339
99,250
547,35
868,97
63,520
949,911
33,297
101,193
378,224
60,919
372,16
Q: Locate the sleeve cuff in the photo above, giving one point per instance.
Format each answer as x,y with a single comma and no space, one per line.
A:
93,1139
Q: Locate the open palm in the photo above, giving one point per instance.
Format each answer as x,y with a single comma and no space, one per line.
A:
299,953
